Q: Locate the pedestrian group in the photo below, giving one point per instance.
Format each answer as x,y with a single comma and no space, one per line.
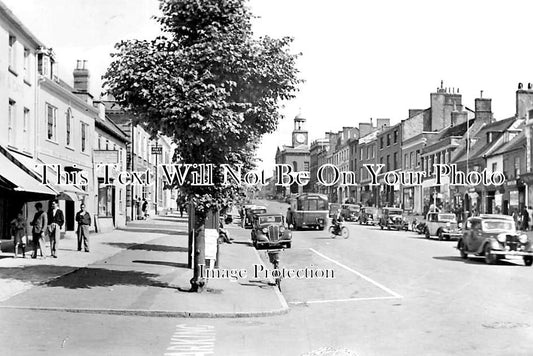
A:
48,224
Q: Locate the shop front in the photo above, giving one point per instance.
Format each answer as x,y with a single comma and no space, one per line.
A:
19,189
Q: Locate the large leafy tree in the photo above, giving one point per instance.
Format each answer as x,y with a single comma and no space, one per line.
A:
211,86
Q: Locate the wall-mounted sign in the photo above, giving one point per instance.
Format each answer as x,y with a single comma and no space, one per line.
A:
157,150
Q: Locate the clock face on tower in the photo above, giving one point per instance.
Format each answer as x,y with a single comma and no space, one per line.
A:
300,138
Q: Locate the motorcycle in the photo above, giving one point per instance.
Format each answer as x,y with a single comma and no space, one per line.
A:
339,229
419,227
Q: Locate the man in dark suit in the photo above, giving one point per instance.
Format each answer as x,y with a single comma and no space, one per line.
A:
39,226
83,218
56,219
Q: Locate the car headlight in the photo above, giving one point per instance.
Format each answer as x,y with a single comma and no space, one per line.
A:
501,238
282,229
523,238
264,230
448,224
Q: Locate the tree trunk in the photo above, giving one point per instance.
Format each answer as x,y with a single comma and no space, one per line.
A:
202,221
198,282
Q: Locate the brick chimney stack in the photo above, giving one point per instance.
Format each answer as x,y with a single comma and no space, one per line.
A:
524,100
81,82
483,109
81,77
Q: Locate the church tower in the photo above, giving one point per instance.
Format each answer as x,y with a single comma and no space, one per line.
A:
299,134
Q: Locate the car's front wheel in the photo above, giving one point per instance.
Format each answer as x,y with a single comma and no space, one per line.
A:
441,236
528,260
462,250
490,258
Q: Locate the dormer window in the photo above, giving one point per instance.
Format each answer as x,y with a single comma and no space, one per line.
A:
46,64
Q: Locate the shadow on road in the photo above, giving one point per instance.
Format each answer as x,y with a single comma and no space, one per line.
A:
474,261
157,231
35,273
257,283
148,247
162,263
86,278
174,220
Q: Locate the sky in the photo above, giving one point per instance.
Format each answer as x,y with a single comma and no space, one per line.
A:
360,59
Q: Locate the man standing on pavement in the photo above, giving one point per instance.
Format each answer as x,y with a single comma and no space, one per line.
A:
56,220
39,225
83,218
289,218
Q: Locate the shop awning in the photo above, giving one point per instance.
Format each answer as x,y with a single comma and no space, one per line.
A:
70,192
15,173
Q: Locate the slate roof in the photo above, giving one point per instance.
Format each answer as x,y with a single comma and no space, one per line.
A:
518,142
481,147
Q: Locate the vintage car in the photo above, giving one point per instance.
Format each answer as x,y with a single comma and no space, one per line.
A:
333,208
494,237
249,214
443,225
392,218
368,216
350,212
270,231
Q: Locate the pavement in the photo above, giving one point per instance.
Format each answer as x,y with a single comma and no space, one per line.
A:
141,270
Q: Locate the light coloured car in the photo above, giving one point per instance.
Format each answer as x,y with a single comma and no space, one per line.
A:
443,225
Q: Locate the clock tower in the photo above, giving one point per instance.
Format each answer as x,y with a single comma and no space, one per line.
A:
299,134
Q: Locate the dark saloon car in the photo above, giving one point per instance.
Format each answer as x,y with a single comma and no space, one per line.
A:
392,218
368,216
270,231
250,212
350,212
494,237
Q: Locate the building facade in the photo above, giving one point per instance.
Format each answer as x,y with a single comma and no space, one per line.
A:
297,156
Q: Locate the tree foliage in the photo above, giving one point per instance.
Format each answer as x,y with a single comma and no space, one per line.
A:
207,83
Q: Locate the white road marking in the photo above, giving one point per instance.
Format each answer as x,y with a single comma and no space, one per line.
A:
394,294
341,300
192,340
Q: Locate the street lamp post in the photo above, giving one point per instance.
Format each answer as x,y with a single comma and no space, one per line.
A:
156,150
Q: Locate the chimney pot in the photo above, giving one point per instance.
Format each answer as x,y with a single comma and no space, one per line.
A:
529,86
519,85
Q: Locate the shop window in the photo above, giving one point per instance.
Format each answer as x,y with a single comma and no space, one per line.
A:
105,199
516,167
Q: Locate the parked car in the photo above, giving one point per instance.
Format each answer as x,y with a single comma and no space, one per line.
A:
350,212
443,225
270,231
494,237
368,216
250,211
333,208
392,218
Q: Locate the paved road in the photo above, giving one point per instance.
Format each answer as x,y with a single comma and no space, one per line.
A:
394,293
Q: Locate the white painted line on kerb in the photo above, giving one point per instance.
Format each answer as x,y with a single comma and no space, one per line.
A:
342,300
396,295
